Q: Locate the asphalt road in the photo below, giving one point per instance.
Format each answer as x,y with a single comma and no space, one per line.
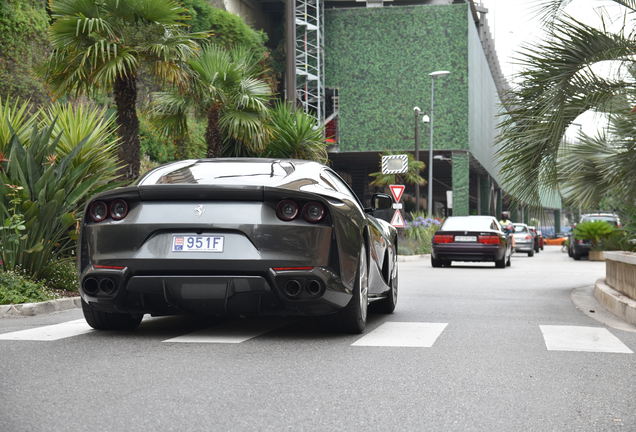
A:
487,356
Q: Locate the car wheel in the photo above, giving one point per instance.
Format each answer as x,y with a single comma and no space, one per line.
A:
531,253
353,318
576,256
508,260
387,305
501,263
435,262
100,320
570,254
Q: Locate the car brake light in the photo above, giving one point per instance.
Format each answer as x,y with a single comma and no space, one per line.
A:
488,239
287,210
118,209
443,238
291,268
98,211
313,212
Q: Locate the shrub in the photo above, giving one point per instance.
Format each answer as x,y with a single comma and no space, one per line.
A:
61,275
595,231
15,288
47,178
419,232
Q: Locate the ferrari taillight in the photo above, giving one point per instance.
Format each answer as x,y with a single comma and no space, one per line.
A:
287,210
488,239
118,209
98,211
314,212
443,238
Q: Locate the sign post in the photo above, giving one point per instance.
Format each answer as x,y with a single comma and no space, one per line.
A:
397,191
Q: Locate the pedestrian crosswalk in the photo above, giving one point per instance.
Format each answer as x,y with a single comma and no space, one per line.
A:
388,334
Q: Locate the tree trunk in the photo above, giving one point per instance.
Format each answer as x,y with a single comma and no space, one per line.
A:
125,90
212,135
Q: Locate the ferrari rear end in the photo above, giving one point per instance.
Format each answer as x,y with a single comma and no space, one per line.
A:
210,248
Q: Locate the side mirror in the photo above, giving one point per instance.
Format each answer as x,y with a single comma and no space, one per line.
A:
381,201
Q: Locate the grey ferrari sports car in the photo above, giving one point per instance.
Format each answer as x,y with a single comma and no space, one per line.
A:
236,236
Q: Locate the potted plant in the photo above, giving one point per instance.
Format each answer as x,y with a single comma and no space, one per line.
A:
595,232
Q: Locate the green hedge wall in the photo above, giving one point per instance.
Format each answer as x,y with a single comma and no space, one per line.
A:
380,58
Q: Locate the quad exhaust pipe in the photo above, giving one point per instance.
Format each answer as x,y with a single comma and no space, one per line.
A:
293,288
91,286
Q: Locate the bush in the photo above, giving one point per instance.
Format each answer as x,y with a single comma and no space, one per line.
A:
419,233
61,275
69,155
15,288
594,231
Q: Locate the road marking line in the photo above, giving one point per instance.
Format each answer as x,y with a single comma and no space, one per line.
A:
579,338
50,332
403,334
229,333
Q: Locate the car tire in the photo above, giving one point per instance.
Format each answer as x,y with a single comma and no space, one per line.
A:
353,318
570,254
501,263
387,305
508,260
531,253
577,257
100,320
436,262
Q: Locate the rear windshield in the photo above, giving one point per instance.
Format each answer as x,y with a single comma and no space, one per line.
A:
520,228
468,224
609,219
214,173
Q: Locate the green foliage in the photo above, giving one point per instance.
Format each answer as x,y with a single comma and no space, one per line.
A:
412,176
560,81
97,42
228,29
595,231
379,60
15,289
61,275
226,91
47,179
295,134
23,44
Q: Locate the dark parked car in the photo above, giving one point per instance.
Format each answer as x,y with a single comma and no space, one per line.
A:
236,236
471,238
538,238
580,248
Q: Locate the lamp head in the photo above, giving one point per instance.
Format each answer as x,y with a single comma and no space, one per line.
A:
426,118
438,73
417,109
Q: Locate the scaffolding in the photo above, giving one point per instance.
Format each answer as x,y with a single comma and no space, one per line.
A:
309,57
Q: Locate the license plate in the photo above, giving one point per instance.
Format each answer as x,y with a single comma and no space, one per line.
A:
465,238
197,243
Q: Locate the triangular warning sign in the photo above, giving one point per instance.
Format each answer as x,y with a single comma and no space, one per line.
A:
397,191
398,220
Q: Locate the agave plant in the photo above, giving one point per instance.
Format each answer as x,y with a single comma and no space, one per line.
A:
15,119
45,181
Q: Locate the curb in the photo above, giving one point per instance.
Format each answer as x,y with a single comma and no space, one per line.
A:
408,258
31,309
617,303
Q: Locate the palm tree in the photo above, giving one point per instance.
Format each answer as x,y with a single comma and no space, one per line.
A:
225,89
103,44
561,80
295,134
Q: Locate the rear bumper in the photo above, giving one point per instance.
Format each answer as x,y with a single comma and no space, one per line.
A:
468,252
256,292
524,246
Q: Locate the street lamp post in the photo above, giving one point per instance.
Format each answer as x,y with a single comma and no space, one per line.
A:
425,119
433,75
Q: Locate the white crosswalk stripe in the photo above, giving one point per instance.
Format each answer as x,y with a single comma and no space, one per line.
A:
50,332
403,334
579,338
229,333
